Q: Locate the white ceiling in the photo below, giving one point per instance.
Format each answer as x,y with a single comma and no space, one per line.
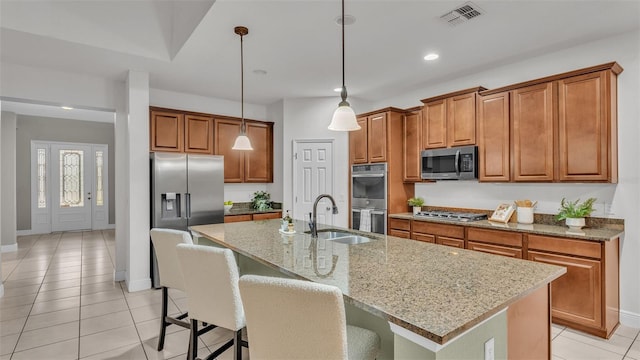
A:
190,46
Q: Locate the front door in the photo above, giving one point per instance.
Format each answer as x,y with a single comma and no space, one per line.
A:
71,187
313,169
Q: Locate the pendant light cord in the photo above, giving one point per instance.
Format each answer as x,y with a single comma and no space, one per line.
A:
242,84
343,92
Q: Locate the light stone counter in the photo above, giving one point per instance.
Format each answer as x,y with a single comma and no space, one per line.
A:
434,291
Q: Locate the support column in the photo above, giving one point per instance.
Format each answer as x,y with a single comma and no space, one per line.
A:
8,183
122,183
1,172
138,273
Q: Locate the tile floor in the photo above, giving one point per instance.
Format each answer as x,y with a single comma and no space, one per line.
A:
61,302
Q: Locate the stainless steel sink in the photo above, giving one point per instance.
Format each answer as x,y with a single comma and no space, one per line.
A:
343,237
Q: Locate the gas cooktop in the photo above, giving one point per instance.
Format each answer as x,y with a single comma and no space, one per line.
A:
451,215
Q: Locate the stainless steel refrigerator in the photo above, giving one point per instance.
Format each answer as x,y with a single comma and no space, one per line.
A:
186,190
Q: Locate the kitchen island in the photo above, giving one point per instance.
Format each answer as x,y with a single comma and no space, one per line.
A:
435,302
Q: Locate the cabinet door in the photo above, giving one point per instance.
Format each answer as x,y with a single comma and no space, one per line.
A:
424,237
434,125
198,134
577,295
583,128
265,216
493,137
377,138
411,146
533,131
461,120
226,131
237,218
399,233
495,249
442,240
358,143
167,131
258,164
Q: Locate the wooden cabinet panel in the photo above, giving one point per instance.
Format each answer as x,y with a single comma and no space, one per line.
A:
434,125
495,237
411,146
198,134
399,224
226,132
443,240
495,249
583,127
584,248
377,138
424,237
265,216
166,131
493,137
358,143
424,227
461,120
533,133
399,233
258,164
237,218
577,295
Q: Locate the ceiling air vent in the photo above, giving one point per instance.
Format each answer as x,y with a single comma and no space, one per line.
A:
463,13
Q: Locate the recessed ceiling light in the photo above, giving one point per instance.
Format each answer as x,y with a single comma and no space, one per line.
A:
431,56
348,20
67,107
337,89
260,72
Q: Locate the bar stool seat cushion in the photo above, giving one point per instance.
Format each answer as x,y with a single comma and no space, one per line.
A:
362,343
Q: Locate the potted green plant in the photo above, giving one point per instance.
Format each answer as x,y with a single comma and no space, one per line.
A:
574,212
261,201
227,206
417,203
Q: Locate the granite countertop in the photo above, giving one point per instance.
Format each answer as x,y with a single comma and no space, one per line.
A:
435,291
588,233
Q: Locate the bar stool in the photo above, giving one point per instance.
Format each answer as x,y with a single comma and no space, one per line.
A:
211,283
295,319
164,243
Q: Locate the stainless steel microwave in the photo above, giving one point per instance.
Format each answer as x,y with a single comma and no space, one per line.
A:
456,163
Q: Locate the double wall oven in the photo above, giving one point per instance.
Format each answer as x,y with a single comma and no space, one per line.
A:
369,197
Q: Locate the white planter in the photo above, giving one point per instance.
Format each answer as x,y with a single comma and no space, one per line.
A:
417,209
574,223
227,208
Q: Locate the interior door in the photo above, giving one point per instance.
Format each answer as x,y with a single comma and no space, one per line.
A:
71,180
313,169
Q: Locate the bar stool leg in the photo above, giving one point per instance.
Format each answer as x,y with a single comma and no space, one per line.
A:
163,321
237,345
193,341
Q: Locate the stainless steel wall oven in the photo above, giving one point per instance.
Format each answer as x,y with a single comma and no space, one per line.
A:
369,197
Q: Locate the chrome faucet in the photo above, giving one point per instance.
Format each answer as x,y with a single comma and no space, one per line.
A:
313,220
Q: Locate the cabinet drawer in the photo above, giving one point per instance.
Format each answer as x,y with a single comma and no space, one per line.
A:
424,237
237,218
590,249
495,237
424,227
400,224
443,240
264,216
495,249
399,233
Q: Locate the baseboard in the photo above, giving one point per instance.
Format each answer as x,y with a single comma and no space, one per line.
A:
9,248
24,232
139,285
628,318
1,290
120,275
110,227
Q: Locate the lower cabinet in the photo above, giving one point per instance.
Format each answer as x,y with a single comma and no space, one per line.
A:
495,242
443,234
443,240
250,217
495,249
399,228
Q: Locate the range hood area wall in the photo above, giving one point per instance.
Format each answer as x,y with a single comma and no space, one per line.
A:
620,200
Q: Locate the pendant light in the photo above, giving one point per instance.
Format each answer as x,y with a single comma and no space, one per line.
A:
242,141
344,118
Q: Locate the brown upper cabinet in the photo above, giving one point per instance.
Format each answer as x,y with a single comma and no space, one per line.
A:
411,145
245,166
558,128
371,143
450,119
176,131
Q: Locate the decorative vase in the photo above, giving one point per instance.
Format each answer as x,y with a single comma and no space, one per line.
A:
574,223
417,209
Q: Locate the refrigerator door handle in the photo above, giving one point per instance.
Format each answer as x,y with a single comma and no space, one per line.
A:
187,198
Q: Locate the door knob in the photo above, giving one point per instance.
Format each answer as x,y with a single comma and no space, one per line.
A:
328,208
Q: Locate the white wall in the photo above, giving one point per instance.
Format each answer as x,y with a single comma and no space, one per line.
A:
8,182
275,113
308,118
620,200
1,173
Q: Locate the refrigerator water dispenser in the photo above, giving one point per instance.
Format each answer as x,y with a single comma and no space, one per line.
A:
170,205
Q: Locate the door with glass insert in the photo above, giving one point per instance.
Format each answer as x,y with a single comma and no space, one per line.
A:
71,187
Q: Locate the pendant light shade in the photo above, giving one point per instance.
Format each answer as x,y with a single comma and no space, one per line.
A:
344,118
242,141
